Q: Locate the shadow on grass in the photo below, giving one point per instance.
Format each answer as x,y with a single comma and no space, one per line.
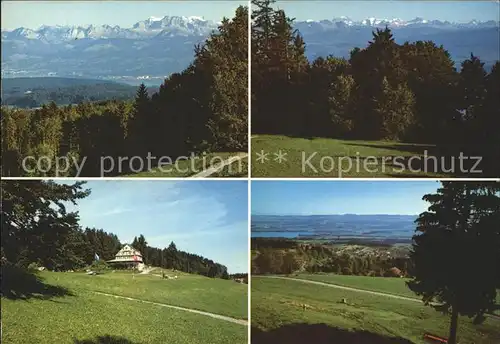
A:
425,159
105,340
457,160
20,284
320,334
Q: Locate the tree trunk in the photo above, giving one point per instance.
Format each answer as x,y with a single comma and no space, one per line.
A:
452,338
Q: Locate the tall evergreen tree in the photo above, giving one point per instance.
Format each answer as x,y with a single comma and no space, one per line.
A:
35,223
456,252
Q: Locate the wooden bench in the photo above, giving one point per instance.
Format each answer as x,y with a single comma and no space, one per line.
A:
434,338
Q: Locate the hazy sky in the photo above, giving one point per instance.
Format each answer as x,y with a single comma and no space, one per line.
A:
209,218
320,197
457,11
33,14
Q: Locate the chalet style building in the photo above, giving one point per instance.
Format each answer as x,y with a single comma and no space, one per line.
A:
128,257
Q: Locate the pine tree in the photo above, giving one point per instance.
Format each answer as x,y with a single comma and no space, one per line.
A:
34,216
226,54
472,86
456,252
139,139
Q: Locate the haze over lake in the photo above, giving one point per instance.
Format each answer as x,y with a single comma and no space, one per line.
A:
333,226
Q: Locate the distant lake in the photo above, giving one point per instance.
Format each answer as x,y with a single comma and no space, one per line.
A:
288,235
331,226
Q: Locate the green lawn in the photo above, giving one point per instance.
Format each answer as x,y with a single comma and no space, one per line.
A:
394,286
190,291
298,312
188,168
329,158
82,316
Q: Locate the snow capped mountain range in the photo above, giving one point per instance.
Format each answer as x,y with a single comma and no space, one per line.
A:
159,46
343,21
169,26
338,36
153,26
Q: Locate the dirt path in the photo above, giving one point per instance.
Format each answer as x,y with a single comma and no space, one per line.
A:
346,288
208,314
494,316
146,271
213,169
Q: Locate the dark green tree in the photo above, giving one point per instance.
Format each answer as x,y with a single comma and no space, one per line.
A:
456,252
35,224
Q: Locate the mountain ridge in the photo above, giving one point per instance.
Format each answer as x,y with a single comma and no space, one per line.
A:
174,25
397,22
160,46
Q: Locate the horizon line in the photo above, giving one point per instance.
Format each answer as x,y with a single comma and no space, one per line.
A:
337,214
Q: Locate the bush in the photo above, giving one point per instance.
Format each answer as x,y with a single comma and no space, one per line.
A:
346,271
99,266
393,272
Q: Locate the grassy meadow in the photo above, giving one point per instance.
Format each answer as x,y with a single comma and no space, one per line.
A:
295,312
384,152
77,314
394,286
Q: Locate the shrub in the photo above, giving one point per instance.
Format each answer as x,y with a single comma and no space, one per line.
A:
346,271
99,266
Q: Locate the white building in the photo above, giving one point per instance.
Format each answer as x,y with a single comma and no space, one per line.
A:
128,257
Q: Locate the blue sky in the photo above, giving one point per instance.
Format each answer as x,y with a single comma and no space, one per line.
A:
320,197
33,14
457,11
209,218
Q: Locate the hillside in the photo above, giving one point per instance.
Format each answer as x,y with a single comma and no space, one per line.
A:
65,307
297,312
34,92
284,256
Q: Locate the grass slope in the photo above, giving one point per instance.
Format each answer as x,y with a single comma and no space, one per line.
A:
299,149
394,286
85,316
302,313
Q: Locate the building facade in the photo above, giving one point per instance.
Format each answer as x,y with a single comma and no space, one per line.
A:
128,257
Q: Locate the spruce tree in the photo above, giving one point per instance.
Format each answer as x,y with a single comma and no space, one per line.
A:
456,250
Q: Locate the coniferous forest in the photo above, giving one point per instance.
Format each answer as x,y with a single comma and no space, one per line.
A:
408,92
199,110
37,230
